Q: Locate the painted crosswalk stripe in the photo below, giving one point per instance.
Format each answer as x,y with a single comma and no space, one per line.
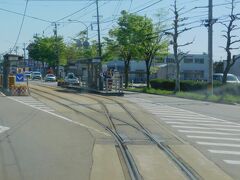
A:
218,144
195,120
214,138
201,124
224,152
206,128
232,162
3,128
207,132
193,117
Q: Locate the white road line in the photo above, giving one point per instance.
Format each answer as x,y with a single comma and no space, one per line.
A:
214,138
201,124
224,152
3,128
62,117
232,162
206,128
2,94
190,117
207,132
218,144
195,120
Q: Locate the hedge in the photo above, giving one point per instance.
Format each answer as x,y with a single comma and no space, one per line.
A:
201,86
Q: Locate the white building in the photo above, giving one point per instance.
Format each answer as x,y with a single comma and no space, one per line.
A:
192,67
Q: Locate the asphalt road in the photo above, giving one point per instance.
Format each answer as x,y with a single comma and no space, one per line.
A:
212,128
35,144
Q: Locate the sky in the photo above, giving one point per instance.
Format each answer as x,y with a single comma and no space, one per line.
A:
73,16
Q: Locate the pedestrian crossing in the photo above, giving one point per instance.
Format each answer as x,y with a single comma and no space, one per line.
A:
217,136
32,102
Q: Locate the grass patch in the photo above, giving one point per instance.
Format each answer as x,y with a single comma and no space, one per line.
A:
151,91
190,95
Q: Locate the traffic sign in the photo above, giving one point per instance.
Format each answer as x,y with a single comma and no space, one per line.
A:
19,77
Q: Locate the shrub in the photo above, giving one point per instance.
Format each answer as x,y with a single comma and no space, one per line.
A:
200,86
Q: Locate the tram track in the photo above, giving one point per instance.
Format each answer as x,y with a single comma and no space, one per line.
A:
112,129
129,162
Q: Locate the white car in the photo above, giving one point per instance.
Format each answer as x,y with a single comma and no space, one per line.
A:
36,75
231,78
50,77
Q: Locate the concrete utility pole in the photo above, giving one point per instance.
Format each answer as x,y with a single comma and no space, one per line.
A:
56,41
99,37
24,55
210,47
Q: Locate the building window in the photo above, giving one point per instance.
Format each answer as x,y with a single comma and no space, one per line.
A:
193,75
199,61
188,60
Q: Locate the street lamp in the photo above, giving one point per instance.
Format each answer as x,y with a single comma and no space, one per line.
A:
77,21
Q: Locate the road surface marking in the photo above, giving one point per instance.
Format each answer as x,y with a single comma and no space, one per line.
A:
232,162
2,94
3,129
218,144
207,124
62,117
207,132
224,152
195,120
206,128
214,138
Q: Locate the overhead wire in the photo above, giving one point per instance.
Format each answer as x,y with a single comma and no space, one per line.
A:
21,14
21,26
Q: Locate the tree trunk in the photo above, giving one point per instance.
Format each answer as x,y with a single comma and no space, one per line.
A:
177,82
126,70
148,73
228,66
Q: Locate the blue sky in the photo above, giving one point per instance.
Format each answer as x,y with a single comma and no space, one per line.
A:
109,10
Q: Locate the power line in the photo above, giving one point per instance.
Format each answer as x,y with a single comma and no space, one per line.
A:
32,17
75,12
21,26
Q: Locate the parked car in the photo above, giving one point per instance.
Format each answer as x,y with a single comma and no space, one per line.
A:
50,77
71,79
231,78
36,75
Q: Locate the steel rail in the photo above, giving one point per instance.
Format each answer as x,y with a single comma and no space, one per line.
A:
188,172
191,174
129,161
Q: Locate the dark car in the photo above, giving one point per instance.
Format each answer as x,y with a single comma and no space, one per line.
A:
71,79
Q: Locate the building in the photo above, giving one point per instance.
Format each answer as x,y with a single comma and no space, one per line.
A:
192,67
137,70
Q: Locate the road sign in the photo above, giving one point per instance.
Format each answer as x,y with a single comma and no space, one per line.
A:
19,77
2,129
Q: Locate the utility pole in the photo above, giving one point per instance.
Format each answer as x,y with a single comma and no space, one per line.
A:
100,85
24,55
210,47
56,41
99,37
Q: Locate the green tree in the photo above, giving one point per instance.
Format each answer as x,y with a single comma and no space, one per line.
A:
124,39
152,44
48,50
